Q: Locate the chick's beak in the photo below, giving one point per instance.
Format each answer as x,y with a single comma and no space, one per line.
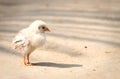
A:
46,29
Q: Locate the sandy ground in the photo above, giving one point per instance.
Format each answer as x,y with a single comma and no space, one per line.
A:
84,42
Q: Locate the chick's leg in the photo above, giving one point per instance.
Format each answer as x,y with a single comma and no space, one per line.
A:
26,59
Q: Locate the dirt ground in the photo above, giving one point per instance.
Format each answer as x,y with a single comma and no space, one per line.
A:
84,42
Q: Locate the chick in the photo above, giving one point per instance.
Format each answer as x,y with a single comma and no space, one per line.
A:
30,38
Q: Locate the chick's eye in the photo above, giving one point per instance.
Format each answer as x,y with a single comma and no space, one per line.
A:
43,27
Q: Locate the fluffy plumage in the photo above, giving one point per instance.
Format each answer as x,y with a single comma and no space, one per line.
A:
30,38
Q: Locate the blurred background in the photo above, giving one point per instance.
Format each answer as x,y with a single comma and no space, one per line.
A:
86,32
87,19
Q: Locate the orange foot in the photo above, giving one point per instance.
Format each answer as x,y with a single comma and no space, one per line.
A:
28,64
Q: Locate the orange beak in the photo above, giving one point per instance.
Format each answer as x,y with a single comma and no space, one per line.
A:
46,29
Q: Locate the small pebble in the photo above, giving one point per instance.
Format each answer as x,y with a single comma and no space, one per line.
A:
94,69
107,52
85,46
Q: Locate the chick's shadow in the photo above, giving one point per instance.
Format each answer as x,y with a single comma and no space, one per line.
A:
58,65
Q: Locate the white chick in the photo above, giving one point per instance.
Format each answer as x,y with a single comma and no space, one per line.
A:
30,38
